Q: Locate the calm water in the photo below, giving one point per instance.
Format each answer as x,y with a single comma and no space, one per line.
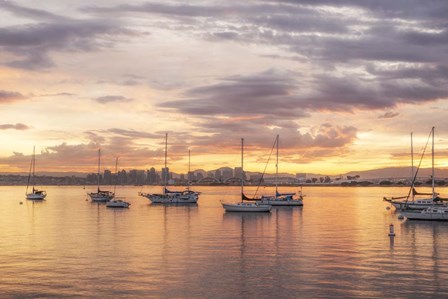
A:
335,246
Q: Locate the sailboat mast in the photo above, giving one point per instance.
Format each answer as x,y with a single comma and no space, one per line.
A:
116,174
276,170
34,166
188,174
412,158
242,168
165,179
29,174
412,165
433,179
99,163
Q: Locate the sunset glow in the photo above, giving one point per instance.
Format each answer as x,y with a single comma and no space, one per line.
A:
343,85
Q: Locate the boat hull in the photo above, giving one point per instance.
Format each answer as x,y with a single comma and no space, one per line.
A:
424,215
413,205
244,207
33,196
172,198
96,197
118,204
284,203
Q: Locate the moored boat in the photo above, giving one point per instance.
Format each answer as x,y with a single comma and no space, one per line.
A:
437,213
100,195
35,193
117,203
172,197
245,206
280,199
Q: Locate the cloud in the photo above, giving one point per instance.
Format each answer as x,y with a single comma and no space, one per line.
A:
389,114
269,93
32,13
112,99
10,96
31,44
17,126
133,133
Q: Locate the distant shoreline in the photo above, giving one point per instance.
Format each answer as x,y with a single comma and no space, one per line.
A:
226,185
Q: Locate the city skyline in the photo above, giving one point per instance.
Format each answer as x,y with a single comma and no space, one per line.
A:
342,84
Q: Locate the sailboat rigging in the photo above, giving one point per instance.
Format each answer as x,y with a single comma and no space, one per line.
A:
436,211
409,201
281,199
35,193
245,206
168,196
117,203
100,195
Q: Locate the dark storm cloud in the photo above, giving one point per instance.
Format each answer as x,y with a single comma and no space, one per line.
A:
18,126
112,99
10,96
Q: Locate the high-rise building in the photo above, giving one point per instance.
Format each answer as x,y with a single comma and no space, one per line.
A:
152,176
165,175
107,177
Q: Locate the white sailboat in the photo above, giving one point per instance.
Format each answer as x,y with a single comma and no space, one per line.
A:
438,210
245,206
409,201
117,203
100,195
171,197
35,193
281,199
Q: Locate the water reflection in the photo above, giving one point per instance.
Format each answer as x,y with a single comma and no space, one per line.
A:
335,246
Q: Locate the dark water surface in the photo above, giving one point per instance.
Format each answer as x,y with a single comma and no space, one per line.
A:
335,246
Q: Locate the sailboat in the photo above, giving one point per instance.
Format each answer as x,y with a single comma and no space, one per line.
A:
117,203
410,202
281,199
35,193
245,206
437,211
187,191
100,195
171,197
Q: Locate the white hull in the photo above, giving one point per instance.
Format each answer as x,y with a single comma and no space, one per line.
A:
172,198
99,197
281,202
34,196
415,205
246,207
437,214
117,204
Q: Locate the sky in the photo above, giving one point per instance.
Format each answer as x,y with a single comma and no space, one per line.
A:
342,82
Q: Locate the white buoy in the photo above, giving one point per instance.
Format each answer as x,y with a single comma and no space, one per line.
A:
391,230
